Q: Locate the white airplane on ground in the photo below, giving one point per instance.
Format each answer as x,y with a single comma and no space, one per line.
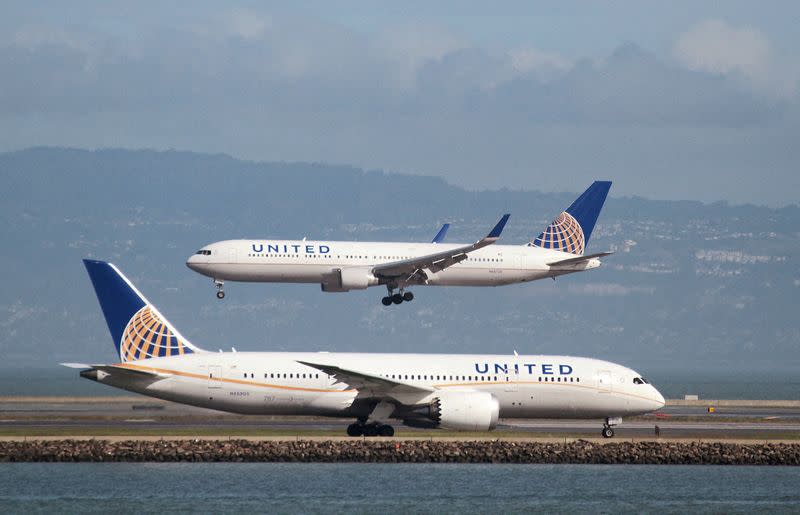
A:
460,392
343,266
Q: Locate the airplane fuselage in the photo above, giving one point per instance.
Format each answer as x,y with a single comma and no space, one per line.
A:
292,261
271,383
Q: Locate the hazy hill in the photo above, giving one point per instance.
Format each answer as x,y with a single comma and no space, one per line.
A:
692,285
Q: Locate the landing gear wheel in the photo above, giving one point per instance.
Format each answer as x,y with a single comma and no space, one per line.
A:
397,298
220,284
608,432
385,430
355,430
386,301
408,296
371,430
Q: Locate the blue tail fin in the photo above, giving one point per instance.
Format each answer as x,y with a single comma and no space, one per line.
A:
139,331
570,231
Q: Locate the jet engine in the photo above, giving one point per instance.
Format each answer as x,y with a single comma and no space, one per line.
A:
465,411
346,279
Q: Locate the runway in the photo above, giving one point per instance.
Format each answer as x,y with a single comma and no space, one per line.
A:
98,416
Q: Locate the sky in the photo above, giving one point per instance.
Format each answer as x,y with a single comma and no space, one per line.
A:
671,100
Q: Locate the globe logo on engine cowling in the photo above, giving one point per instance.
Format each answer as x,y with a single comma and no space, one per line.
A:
148,336
564,234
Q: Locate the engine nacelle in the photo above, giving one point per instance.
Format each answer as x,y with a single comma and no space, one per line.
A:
346,279
465,411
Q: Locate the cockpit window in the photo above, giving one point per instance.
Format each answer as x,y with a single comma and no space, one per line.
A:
638,380
203,252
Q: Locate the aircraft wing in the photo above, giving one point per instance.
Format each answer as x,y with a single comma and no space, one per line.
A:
370,385
579,259
438,261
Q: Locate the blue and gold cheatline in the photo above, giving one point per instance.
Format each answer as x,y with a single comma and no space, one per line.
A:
148,336
564,234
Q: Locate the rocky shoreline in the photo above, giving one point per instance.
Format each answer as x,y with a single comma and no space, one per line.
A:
396,451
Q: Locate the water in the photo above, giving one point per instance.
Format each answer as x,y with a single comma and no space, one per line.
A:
383,488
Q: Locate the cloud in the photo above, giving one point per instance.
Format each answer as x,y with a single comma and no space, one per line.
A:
716,47
407,48
247,24
244,59
607,289
532,61
414,97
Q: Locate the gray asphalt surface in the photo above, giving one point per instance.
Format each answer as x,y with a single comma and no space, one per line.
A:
146,414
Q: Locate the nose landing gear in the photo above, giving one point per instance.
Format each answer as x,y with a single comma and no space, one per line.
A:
608,427
397,298
220,288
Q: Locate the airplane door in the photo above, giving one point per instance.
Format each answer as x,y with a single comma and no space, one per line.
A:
232,255
214,376
604,381
512,378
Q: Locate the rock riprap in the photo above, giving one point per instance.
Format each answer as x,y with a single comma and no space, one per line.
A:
397,451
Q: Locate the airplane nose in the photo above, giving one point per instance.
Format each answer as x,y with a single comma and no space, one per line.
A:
192,262
659,399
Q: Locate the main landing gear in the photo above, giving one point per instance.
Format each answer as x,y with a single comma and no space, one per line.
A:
220,288
608,427
362,429
397,298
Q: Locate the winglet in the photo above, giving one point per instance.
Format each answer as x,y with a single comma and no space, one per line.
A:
441,234
495,233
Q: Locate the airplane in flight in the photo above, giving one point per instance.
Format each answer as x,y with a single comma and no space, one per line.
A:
458,392
340,266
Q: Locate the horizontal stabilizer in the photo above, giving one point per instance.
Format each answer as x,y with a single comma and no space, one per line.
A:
579,259
90,371
132,370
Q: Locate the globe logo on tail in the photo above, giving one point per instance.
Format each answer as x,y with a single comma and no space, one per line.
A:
564,234
148,336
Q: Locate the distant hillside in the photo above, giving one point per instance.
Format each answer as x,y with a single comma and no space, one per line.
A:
691,285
